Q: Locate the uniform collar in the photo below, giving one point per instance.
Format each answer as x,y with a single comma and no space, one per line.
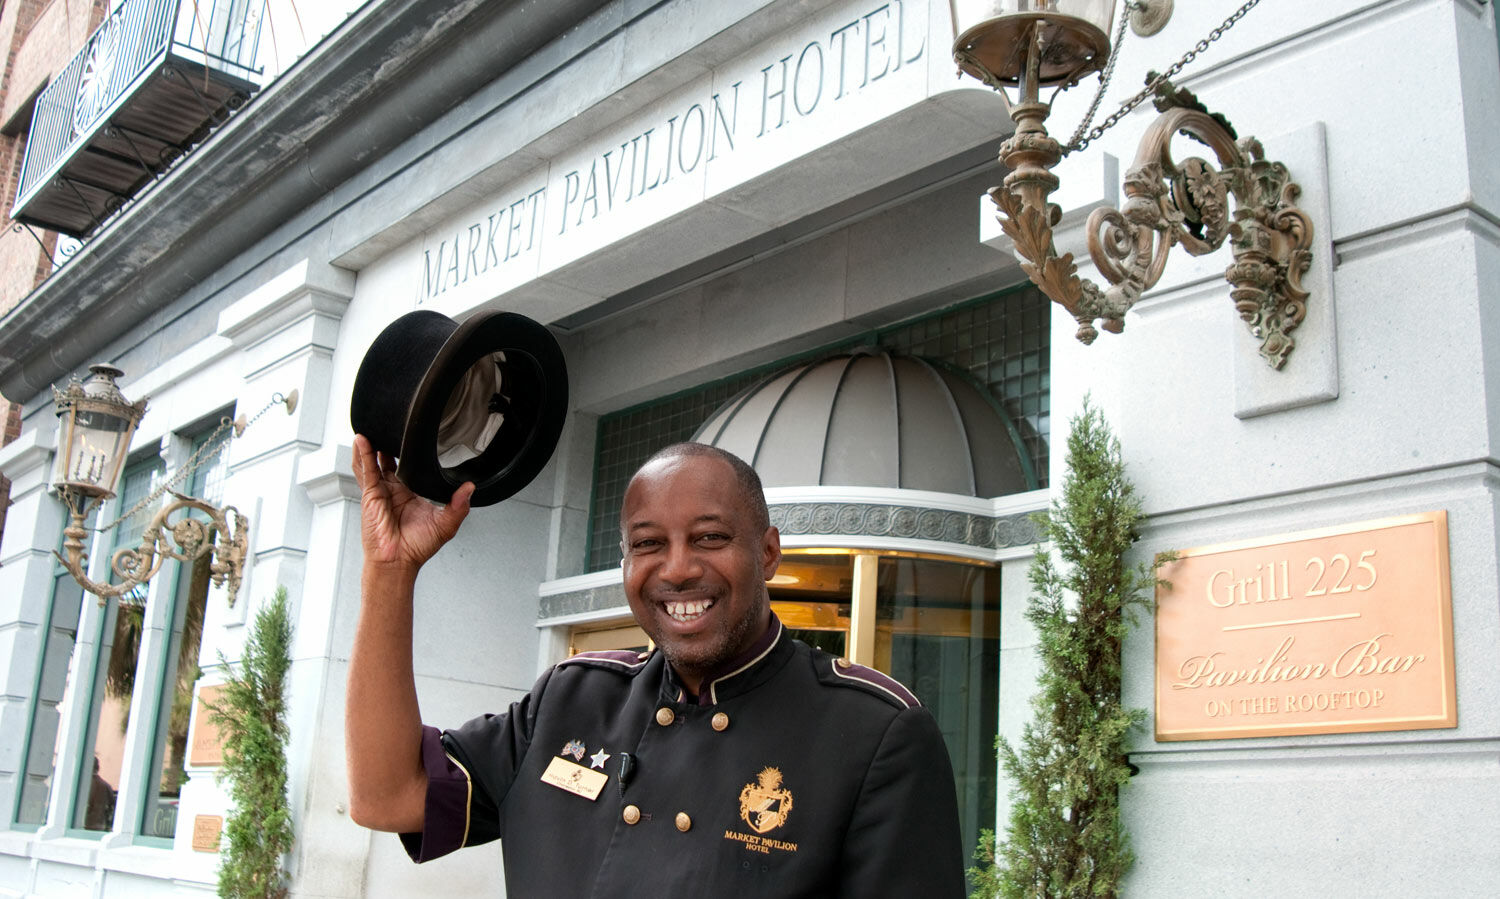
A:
741,673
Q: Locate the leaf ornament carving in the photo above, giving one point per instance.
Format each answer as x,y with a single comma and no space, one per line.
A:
226,568
1057,276
1272,251
1271,239
1202,195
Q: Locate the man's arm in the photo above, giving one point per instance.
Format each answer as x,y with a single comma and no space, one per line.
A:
382,726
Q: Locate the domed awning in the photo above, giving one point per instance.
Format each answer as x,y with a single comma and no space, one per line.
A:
872,418
868,450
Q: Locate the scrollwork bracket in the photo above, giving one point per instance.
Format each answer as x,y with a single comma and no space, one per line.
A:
1166,203
224,544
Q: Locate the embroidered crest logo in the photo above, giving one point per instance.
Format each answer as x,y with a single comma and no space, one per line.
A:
765,804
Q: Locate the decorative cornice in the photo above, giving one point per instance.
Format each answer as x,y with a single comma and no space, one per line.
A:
905,522
303,290
579,602
33,449
327,475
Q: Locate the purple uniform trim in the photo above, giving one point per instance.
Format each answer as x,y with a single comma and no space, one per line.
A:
708,694
445,825
879,681
622,657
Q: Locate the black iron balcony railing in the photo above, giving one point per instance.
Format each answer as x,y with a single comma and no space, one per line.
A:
149,85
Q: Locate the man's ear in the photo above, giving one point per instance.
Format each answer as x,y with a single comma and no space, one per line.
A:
770,553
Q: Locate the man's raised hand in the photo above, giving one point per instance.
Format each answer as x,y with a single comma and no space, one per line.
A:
397,526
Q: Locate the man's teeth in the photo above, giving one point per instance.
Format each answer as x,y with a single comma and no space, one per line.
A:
687,611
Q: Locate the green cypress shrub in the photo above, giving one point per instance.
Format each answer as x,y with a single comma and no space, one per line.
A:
250,713
1065,839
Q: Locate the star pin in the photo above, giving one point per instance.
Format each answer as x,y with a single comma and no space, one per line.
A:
598,759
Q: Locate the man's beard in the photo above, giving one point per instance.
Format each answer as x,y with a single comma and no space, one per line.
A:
702,658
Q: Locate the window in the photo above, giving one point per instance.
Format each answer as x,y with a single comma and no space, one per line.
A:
812,594
136,681
189,604
54,683
114,672
233,29
937,630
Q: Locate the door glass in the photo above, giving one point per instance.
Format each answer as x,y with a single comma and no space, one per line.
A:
611,636
811,595
937,630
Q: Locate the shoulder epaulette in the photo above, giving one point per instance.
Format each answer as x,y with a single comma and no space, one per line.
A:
843,672
621,660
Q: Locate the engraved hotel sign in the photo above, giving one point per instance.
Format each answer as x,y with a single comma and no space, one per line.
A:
1338,630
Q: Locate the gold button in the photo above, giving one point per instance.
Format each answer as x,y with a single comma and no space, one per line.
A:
720,721
631,814
684,822
844,663
664,716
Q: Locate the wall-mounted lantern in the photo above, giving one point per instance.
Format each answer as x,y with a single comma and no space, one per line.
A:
95,424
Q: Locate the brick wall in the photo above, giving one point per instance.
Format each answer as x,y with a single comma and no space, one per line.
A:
57,31
12,431
38,38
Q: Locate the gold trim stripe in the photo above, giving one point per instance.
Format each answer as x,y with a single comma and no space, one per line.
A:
468,799
833,666
713,688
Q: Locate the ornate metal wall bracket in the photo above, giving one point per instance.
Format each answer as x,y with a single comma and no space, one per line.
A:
1166,203
225,545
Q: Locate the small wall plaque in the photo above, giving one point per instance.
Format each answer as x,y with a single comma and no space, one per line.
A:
207,748
1336,630
206,832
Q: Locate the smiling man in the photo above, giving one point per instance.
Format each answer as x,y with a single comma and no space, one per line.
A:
731,761
698,548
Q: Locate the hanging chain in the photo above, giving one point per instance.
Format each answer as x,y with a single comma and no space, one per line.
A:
1104,77
1129,105
277,399
206,452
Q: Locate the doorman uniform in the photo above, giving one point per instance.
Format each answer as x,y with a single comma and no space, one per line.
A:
792,774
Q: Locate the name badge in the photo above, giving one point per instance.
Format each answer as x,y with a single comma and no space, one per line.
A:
575,779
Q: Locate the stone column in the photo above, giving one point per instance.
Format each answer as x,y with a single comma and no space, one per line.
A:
284,332
33,529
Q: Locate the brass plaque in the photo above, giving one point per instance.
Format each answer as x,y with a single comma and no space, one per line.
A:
206,832
1337,630
207,748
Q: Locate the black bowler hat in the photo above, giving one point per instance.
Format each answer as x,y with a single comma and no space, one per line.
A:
482,400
